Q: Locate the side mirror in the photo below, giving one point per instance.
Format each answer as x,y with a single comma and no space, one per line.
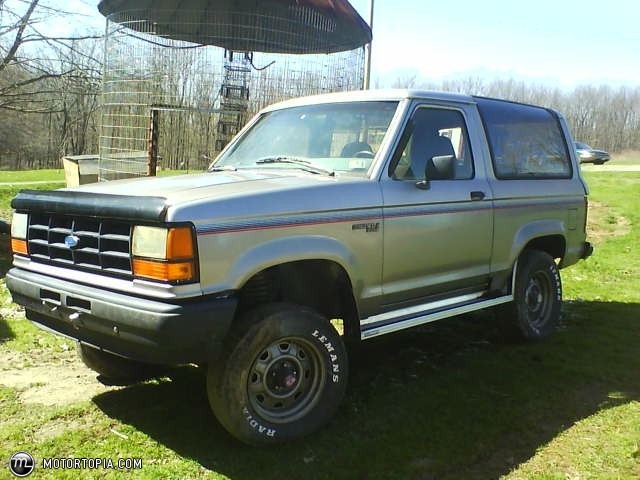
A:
437,168
440,168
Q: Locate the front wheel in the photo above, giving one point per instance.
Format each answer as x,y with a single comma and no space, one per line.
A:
537,295
282,376
115,370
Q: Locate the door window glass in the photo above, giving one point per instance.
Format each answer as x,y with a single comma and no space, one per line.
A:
435,146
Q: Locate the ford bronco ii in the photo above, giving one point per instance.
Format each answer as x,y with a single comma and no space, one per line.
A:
384,209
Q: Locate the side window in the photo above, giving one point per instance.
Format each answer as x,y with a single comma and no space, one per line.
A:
435,146
526,141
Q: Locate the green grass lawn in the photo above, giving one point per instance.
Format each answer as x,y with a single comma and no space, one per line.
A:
50,175
11,182
57,175
7,192
450,400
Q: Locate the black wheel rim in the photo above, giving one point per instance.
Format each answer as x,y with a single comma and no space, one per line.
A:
537,298
285,380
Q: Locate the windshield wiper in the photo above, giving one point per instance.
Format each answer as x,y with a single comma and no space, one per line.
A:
222,168
303,164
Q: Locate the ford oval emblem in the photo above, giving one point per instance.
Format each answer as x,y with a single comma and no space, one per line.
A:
71,241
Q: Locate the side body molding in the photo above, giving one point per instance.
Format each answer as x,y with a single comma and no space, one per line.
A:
291,249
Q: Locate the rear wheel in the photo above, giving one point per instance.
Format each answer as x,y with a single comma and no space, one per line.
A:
282,376
537,296
116,370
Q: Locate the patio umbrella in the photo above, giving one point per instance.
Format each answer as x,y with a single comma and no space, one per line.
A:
274,26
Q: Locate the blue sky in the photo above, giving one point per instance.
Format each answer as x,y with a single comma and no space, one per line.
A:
560,42
563,43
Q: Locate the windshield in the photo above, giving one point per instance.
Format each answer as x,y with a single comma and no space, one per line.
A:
333,137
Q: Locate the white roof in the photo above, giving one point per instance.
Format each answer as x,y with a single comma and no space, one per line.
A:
372,95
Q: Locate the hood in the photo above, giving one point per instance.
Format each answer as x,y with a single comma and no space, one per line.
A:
228,194
185,188
197,197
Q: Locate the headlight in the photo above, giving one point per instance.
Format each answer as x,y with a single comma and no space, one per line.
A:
166,254
586,154
19,226
150,242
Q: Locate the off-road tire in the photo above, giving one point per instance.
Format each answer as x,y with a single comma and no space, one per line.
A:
282,375
535,310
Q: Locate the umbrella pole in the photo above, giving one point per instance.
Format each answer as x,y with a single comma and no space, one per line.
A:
367,62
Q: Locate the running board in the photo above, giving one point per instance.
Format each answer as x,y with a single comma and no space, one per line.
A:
411,317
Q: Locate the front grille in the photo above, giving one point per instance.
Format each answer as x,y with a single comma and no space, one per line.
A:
100,245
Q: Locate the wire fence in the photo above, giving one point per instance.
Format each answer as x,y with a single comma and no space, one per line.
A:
178,102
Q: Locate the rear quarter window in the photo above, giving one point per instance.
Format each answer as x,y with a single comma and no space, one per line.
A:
526,142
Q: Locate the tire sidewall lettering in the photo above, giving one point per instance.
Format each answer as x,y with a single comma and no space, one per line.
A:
332,357
253,422
553,270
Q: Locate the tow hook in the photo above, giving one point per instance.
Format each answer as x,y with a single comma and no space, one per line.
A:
74,320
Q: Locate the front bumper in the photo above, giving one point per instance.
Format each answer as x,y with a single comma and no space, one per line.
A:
134,327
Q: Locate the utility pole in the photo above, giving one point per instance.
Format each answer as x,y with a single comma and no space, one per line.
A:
367,61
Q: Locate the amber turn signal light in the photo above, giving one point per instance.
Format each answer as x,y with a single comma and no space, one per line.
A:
164,271
19,246
179,243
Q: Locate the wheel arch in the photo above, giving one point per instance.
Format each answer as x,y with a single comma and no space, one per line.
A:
318,283
554,244
546,235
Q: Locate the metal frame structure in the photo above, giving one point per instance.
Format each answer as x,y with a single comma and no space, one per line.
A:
173,103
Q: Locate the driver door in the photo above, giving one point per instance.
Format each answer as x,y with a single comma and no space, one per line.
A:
438,218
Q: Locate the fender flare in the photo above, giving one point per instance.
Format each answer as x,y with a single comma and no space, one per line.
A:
292,249
533,230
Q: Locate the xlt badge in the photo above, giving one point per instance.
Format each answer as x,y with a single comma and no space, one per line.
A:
368,227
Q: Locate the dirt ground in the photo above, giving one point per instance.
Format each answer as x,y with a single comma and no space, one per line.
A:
602,223
51,383
48,375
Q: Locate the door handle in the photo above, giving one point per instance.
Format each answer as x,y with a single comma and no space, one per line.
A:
477,195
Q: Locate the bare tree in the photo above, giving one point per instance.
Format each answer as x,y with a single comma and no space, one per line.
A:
407,81
27,55
48,85
76,99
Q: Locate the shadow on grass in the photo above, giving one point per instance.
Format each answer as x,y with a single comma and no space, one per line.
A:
5,263
448,400
5,255
5,331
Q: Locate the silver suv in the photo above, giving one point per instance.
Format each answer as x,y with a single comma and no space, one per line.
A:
328,220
